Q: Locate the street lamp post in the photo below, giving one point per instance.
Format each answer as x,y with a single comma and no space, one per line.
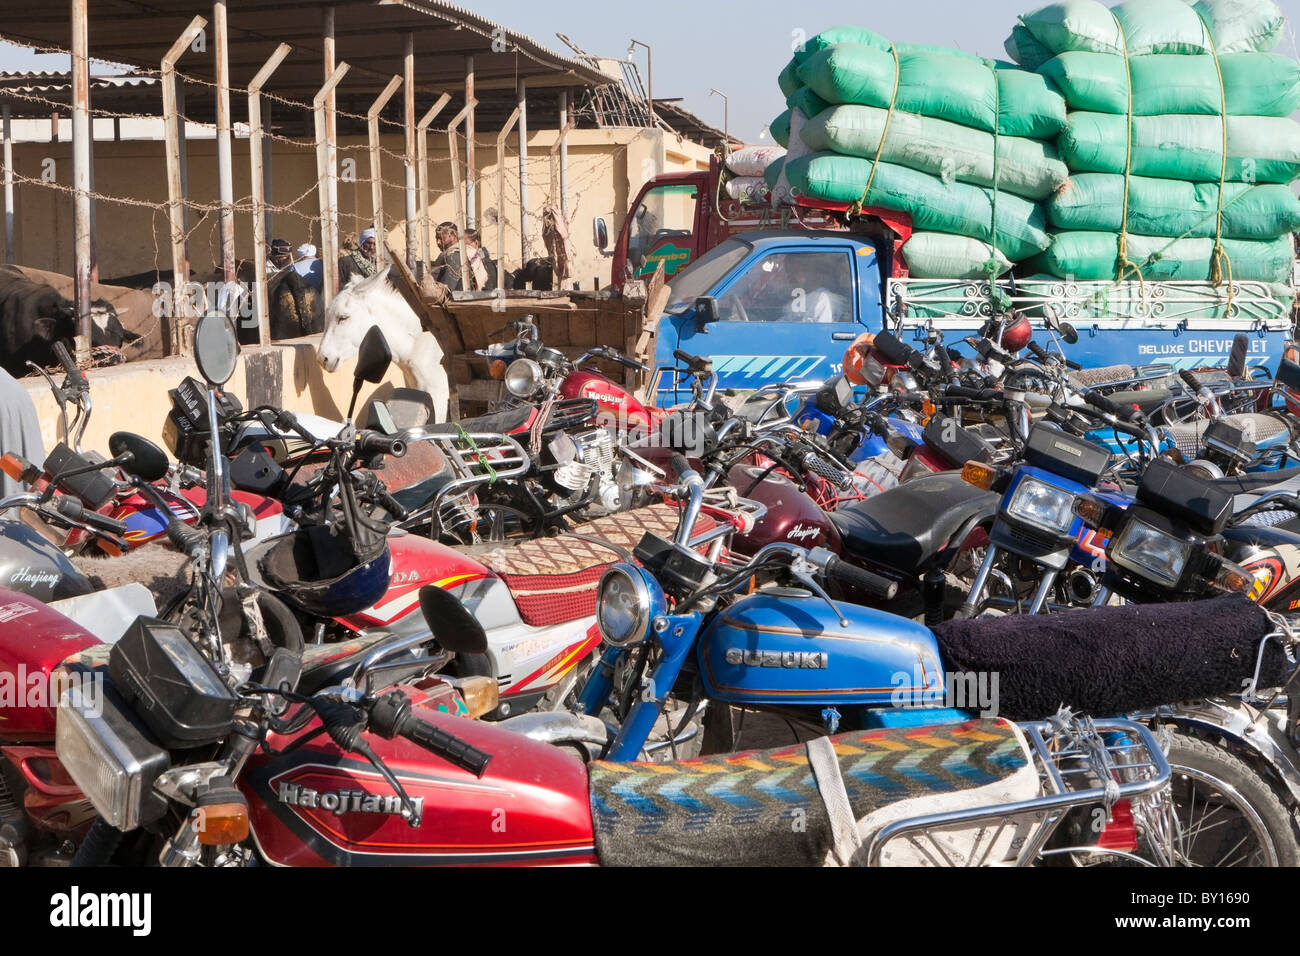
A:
726,115
649,76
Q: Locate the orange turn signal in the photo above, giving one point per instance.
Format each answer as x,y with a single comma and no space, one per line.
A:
1091,511
497,369
978,474
220,824
17,467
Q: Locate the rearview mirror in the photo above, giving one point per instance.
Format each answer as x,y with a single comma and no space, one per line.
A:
1069,334
216,348
452,625
706,311
600,233
140,458
373,357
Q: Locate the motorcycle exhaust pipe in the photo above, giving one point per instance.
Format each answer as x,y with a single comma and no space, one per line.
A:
1082,586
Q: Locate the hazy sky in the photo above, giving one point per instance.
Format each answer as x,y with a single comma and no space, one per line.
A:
735,47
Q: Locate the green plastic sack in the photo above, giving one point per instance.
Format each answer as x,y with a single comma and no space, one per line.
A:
938,255
934,206
1024,49
961,91
958,89
1168,207
1242,26
788,78
1028,104
1254,84
1140,26
806,100
772,174
1088,256
780,129
1261,149
1026,167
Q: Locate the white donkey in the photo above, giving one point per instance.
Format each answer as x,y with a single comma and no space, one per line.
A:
376,301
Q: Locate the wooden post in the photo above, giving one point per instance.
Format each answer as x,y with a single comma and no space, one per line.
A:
501,193
174,132
560,146
376,164
455,188
225,162
408,126
258,181
330,227
471,167
9,188
329,213
522,109
422,150
566,124
81,134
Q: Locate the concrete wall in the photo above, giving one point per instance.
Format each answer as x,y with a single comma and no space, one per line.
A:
134,398
606,169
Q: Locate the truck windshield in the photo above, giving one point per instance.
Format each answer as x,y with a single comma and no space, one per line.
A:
705,273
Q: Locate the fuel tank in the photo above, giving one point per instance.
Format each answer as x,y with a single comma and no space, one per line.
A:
791,517
613,402
317,806
786,646
34,639
30,564
416,561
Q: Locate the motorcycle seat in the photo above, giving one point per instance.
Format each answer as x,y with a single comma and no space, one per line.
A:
1259,427
1107,661
1147,399
503,422
764,808
553,580
909,526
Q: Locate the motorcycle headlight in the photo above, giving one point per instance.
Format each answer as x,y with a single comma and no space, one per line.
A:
1150,552
1042,505
625,605
109,757
524,378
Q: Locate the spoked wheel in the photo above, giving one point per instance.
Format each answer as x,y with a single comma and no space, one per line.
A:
1226,813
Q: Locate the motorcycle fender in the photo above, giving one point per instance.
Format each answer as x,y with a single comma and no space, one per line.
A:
1256,738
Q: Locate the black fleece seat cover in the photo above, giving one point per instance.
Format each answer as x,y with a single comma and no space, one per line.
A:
763,807
907,526
1111,661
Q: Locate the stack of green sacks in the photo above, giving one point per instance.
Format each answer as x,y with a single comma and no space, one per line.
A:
1178,136
962,145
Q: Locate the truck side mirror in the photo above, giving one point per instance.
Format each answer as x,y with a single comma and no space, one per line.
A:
706,311
600,233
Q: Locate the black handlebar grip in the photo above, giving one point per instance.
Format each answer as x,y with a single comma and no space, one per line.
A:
1039,352
1073,366
1102,403
1189,380
693,362
70,367
867,581
391,717
289,421
437,741
74,510
945,360
961,391
391,505
891,349
374,443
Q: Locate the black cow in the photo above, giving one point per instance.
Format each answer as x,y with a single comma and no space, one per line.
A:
34,315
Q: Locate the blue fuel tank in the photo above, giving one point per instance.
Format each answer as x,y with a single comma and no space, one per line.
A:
786,646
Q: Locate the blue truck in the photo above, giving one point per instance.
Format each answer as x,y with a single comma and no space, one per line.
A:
772,306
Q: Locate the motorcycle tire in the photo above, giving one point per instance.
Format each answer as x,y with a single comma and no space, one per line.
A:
1210,774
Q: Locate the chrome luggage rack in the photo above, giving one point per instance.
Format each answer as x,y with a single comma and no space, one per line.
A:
475,459
1080,763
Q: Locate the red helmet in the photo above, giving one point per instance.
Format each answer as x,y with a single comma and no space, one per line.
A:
1017,333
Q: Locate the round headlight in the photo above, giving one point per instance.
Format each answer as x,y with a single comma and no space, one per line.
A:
1042,505
524,377
623,606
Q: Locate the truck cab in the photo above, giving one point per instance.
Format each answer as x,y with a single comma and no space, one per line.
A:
678,217
773,306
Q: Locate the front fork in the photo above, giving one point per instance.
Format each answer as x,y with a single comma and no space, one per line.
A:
976,594
676,641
